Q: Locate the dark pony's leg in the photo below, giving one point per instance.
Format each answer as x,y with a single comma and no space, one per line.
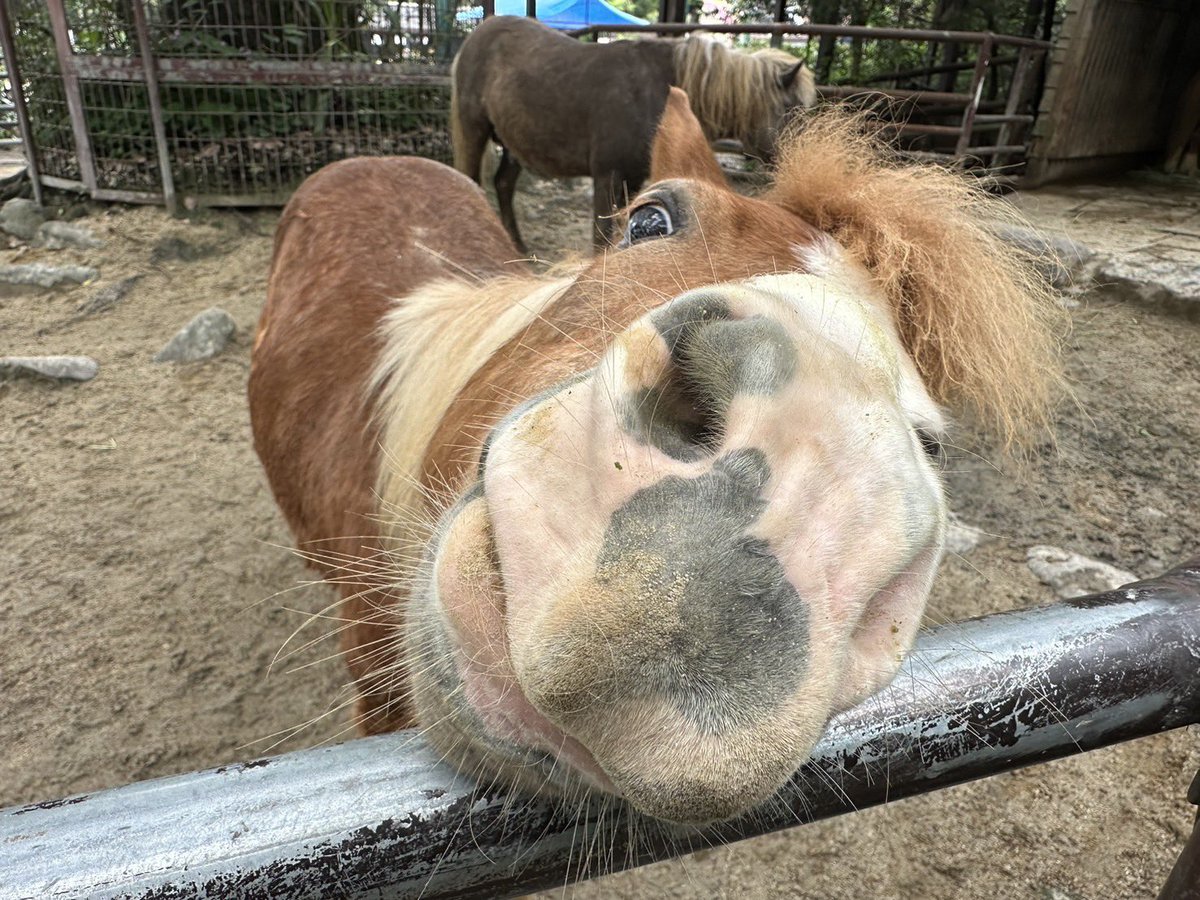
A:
611,190
470,140
506,185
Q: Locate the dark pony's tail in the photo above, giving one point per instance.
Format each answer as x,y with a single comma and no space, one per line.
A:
461,162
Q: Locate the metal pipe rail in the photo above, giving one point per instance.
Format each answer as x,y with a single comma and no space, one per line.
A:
861,31
381,817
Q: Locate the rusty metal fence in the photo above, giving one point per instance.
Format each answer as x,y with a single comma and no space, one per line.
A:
977,112
234,102
226,102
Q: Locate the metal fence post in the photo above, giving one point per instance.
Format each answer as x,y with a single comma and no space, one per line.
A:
18,95
977,81
150,71
780,17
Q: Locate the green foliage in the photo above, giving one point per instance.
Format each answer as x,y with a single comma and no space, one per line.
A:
646,9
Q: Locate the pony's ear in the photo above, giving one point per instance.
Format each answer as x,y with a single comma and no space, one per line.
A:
788,78
680,149
798,80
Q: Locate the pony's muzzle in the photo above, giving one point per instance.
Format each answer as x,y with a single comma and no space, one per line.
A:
694,541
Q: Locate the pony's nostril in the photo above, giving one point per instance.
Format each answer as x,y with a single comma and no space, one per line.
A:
713,359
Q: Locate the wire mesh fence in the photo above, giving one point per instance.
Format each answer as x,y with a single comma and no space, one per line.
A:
250,95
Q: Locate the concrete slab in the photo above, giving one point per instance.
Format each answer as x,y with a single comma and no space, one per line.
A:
1144,228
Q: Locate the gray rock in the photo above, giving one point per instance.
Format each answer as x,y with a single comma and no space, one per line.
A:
1060,259
61,368
202,338
1073,575
107,297
47,276
60,235
961,537
22,218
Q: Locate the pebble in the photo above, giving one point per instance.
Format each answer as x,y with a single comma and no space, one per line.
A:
175,249
45,276
961,537
22,218
60,235
1073,575
61,368
202,338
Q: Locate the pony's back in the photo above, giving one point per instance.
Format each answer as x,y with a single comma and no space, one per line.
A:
558,104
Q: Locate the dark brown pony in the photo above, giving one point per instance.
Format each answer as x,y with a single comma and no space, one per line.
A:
564,108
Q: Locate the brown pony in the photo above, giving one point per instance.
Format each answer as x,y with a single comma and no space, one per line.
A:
564,108
642,527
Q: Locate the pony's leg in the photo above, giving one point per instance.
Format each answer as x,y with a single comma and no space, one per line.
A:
470,141
506,185
610,191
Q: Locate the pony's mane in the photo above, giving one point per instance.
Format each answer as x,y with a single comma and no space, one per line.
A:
435,339
979,320
733,93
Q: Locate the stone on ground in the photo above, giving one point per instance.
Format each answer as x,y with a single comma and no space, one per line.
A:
41,275
60,235
60,368
1060,259
22,218
961,537
202,338
1072,575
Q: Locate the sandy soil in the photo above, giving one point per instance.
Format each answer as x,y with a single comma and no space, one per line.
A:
146,586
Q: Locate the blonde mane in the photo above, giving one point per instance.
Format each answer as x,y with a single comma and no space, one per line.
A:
980,322
435,339
732,93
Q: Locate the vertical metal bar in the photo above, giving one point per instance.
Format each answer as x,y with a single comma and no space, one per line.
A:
150,74
18,95
780,17
977,81
1016,92
66,64
531,8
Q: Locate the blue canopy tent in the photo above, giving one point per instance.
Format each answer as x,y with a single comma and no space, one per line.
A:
564,15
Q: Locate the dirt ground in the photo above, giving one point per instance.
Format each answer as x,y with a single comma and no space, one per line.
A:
147,592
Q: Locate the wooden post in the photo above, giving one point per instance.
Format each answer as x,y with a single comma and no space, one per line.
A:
489,8
531,8
150,73
66,65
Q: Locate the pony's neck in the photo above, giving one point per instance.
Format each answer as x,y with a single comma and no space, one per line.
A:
434,341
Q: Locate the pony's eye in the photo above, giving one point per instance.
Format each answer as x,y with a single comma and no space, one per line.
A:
931,444
649,221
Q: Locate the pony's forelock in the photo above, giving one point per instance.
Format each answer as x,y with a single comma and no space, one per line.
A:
979,320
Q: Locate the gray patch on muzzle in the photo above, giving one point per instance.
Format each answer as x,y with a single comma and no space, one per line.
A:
714,358
724,634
